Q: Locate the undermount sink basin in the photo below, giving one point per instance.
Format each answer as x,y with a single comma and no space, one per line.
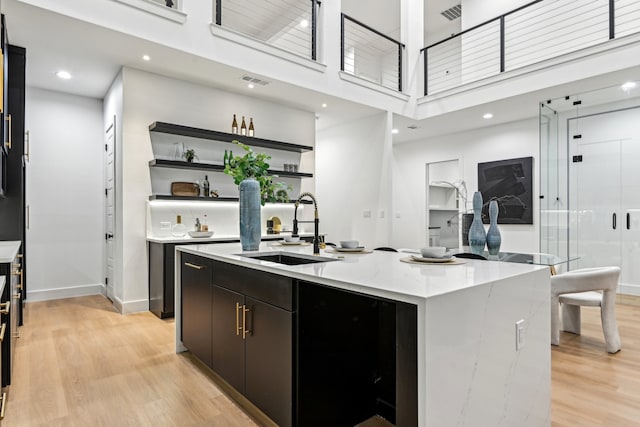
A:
288,258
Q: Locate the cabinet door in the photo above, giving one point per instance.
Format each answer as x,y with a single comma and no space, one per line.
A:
269,360
196,306
227,352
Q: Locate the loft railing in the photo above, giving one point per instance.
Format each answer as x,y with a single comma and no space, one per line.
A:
527,35
369,54
287,24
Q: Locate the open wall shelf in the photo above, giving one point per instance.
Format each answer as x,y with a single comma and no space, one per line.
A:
214,135
178,164
206,199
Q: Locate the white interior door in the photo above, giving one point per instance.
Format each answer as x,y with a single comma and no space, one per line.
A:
110,208
595,188
630,195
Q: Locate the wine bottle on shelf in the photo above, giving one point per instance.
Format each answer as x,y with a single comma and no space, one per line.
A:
243,127
226,158
251,129
179,229
205,186
234,125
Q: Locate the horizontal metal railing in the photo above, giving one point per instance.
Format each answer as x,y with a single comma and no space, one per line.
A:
370,54
290,25
535,32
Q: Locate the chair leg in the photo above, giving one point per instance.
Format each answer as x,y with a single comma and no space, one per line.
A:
555,320
609,323
571,320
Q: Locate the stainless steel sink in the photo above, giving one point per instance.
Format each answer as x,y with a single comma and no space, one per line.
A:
287,258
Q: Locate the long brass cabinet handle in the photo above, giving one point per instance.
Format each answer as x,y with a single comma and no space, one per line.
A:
197,267
245,331
4,401
238,328
5,310
3,328
8,142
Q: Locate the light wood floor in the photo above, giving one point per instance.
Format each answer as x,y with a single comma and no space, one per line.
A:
79,363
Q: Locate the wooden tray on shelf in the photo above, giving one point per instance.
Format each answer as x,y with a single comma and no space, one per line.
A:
185,189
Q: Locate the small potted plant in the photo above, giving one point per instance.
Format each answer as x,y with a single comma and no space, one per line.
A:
189,155
254,166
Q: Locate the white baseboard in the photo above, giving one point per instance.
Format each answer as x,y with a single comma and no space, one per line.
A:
629,289
128,307
59,293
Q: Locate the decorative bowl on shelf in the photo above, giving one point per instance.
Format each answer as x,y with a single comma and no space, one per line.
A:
200,233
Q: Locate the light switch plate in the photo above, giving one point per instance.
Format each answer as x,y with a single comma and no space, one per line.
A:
519,334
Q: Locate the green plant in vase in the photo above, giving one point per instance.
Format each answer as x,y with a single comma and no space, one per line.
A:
254,166
189,155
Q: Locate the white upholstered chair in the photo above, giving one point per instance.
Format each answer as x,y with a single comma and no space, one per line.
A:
588,287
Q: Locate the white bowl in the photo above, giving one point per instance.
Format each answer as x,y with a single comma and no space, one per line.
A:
433,251
290,239
349,244
201,233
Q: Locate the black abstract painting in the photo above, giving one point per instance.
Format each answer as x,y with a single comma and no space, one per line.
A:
508,182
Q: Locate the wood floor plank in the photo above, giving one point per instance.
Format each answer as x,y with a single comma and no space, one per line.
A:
79,363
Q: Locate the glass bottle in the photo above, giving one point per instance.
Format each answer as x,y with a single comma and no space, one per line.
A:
204,226
243,127
197,226
179,229
251,129
226,158
234,125
205,186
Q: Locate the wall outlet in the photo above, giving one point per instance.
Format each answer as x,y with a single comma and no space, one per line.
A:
519,334
367,214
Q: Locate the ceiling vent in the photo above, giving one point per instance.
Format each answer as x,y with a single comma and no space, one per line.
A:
453,12
255,80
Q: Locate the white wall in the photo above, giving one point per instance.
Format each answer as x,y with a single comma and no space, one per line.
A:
65,238
476,12
353,176
151,97
511,140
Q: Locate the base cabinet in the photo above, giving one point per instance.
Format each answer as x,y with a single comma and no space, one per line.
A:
196,306
252,340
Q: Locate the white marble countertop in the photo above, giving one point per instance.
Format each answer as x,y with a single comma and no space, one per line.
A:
219,238
378,273
8,250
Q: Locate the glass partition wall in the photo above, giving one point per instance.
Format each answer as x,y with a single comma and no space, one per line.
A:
590,182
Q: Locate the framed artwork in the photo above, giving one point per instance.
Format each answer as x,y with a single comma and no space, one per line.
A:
510,183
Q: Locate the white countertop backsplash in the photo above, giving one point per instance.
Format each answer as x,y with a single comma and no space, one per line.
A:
223,218
8,250
215,238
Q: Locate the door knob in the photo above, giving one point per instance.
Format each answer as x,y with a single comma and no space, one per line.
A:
108,236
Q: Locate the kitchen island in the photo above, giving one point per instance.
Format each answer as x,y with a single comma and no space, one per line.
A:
358,336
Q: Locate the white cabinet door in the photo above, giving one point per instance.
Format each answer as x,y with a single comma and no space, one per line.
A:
595,192
630,197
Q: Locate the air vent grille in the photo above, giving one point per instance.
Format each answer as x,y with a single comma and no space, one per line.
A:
453,12
255,80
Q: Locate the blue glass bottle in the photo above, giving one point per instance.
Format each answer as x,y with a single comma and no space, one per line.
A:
493,234
477,235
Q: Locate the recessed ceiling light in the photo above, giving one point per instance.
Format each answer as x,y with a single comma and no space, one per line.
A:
304,23
324,105
628,85
63,74
250,86
394,131
146,57
488,116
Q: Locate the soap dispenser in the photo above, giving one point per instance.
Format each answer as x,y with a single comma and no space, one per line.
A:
198,226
